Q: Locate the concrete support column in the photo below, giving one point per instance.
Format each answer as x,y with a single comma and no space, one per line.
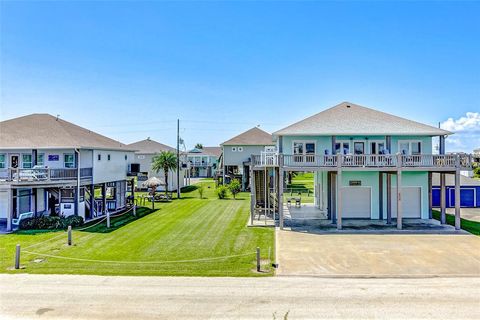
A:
281,180
389,198
457,200
399,200
429,195
380,195
339,200
443,200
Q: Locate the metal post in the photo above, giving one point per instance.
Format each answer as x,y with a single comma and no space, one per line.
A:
108,219
17,257
258,259
178,159
69,235
134,210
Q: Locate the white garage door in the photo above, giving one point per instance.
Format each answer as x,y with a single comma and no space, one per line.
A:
356,202
411,202
3,204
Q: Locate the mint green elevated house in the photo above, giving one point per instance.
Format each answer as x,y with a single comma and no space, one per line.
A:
367,164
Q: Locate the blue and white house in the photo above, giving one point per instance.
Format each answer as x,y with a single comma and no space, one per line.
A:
367,164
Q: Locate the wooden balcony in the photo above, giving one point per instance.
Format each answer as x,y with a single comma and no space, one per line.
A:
429,162
45,175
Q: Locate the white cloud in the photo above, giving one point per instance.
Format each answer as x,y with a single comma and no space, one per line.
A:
467,132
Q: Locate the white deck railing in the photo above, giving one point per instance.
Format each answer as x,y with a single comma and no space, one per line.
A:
449,161
42,174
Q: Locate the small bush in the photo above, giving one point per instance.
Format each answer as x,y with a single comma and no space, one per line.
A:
222,191
235,187
50,223
200,189
74,221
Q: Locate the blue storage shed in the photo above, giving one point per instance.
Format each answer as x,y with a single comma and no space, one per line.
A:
469,191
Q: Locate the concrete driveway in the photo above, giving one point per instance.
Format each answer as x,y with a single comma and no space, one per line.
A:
377,255
472,214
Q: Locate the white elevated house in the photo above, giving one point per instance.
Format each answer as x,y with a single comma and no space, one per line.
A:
141,165
51,166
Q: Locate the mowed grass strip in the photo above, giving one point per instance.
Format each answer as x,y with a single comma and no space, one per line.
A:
185,229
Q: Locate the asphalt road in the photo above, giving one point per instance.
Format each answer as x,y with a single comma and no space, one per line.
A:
97,297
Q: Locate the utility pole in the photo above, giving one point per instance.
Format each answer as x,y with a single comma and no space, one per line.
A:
178,158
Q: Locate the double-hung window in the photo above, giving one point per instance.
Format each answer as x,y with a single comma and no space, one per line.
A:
26,161
410,147
69,160
40,159
2,161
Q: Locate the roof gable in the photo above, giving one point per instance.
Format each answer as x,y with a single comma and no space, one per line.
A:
149,146
46,131
252,137
351,119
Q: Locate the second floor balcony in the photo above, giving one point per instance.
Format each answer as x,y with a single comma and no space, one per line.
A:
449,162
42,174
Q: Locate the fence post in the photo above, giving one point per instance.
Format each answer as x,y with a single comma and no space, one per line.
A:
69,235
108,219
17,257
258,259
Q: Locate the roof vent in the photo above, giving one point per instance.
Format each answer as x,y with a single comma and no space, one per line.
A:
348,106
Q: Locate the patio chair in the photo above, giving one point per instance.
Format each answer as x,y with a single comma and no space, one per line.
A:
22,216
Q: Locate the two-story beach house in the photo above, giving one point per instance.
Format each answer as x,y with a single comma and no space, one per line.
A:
203,163
141,166
237,153
54,167
367,164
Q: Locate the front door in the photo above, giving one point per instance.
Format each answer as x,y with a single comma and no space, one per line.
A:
14,161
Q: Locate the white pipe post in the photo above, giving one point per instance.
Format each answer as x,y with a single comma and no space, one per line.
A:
134,210
108,219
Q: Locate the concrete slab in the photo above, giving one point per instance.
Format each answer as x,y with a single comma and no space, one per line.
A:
377,255
472,214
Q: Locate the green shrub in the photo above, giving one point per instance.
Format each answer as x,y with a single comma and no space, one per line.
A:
200,189
49,223
235,187
222,191
74,221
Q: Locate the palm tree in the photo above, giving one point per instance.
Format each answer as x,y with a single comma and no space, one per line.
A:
166,161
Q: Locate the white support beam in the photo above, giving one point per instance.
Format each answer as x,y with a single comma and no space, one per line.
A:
280,195
339,200
399,200
443,200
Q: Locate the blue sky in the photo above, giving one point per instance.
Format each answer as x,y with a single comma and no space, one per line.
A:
130,69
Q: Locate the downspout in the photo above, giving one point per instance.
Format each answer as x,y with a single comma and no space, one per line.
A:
77,205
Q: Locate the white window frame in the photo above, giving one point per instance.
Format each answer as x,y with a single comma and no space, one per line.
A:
234,149
350,145
3,164
31,161
304,146
410,142
65,163
376,145
240,149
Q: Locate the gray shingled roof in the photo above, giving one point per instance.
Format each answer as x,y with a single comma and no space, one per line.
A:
252,137
149,146
351,119
46,131
450,180
208,151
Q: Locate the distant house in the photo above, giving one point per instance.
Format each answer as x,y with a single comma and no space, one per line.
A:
469,191
203,163
141,165
476,155
238,150
51,166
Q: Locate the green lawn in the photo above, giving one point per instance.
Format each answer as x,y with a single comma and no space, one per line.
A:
185,229
471,226
302,183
